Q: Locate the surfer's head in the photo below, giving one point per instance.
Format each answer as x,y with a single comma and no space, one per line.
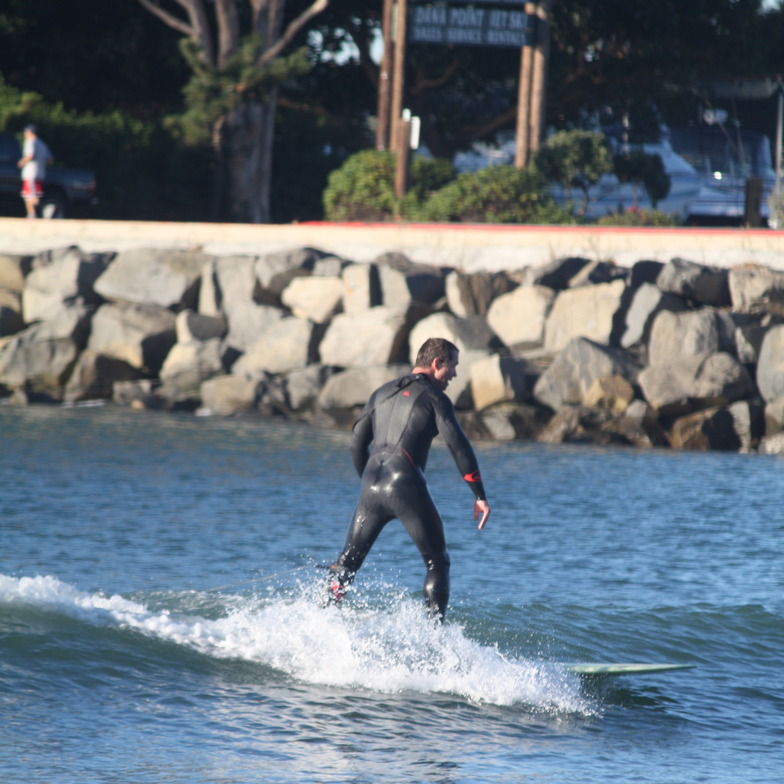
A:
438,358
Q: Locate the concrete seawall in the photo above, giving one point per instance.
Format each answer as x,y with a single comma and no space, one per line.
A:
471,248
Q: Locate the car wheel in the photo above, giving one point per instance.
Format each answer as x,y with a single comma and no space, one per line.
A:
52,206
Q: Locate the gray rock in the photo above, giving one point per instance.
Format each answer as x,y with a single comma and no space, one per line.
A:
11,320
361,288
275,271
586,312
748,417
687,334
697,282
772,445
559,272
190,326
285,346
468,334
403,282
711,429
141,335
472,294
153,276
581,425
519,317
317,298
577,367
42,355
695,382
770,366
496,379
774,416
353,387
230,395
65,280
14,268
647,302
94,377
188,365
372,337
757,289
304,385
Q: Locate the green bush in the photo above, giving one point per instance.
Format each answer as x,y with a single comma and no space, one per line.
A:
637,217
498,194
640,168
363,188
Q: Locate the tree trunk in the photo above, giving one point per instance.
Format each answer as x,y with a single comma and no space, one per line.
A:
248,155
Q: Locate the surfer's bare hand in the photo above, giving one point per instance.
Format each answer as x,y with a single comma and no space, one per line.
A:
481,508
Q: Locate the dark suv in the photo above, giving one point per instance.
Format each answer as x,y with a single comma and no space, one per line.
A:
64,189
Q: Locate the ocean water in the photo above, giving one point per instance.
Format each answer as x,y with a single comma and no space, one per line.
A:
160,617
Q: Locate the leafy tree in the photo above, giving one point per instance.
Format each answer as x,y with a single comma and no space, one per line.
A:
574,159
236,53
640,168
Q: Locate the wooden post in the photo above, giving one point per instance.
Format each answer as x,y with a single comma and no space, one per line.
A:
524,99
398,80
403,153
384,77
539,76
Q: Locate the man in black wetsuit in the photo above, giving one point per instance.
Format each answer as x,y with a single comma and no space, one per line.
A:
400,421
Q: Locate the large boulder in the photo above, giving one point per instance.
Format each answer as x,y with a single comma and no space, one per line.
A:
361,288
372,337
518,318
697,382
647,301
274,271
41,357
575,370
711,429
281,348
228,288
317,297
468,334
757,289
587,311
558,273
303,386
14,268
190,326
153,276
141,335
230,395
770,366
353,387
189,364
696,282
774,416
11,320
403,282
472,294
60,281
582,425
496,379
688,334
94,376
750,331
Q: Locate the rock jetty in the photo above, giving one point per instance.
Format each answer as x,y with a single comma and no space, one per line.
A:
678,354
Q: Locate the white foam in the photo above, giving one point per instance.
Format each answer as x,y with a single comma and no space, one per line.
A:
391,650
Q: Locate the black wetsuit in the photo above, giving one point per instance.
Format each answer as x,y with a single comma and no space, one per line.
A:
400,420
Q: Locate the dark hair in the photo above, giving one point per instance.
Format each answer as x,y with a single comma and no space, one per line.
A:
435,348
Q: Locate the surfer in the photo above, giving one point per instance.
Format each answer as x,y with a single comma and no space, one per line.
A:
389,447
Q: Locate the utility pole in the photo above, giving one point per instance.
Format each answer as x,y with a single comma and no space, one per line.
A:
385,77
532,91
399,71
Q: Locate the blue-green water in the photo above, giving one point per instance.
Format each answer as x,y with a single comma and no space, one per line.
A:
159,621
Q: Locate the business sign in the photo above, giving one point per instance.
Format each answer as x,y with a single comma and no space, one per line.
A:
472,26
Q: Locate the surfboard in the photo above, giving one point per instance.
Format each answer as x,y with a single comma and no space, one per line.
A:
625,669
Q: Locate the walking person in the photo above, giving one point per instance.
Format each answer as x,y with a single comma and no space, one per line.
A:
35,158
